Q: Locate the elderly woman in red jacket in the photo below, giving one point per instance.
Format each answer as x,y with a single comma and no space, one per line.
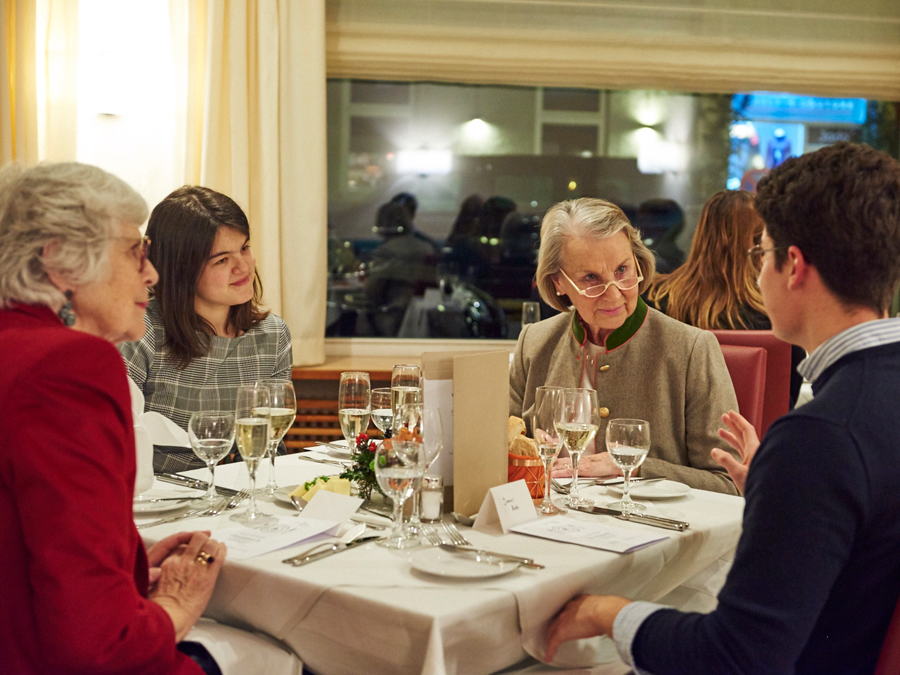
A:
78,591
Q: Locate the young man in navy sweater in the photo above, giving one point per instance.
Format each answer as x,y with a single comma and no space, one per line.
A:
816,574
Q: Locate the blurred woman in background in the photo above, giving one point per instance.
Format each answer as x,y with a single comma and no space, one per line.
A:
716,287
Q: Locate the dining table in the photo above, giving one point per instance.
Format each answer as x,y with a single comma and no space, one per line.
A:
369,610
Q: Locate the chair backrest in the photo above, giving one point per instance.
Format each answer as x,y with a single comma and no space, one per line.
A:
747,367
889,659
778,368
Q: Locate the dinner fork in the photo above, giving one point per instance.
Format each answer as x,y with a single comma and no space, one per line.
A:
559,487
432,535
455,535
187,514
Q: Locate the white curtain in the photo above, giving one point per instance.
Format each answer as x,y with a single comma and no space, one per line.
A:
825,47
18,90
255,130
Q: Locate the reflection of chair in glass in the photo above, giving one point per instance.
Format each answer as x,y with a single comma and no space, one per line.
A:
747,367
778,368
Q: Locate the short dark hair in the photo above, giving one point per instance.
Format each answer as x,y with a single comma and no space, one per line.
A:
183,230
841,207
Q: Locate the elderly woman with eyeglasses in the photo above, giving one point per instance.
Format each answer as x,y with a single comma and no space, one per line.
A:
593,267
79,593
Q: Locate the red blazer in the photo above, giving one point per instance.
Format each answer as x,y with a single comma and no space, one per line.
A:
73,570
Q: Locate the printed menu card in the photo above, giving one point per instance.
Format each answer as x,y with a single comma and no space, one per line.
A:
593,535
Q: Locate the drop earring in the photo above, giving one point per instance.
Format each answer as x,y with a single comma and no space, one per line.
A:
65,313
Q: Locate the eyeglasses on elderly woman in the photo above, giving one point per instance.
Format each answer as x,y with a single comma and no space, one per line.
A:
596,291
140,249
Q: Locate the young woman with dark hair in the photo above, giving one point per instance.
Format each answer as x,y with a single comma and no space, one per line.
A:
206,333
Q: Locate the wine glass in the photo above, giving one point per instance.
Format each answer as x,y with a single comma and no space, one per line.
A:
423,426
283,412
211,434
548,402
354,405
628,442
399,467
577,423
252,421
382,413
406,385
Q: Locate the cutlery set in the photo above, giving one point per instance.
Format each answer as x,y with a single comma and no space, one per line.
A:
224,504
184,481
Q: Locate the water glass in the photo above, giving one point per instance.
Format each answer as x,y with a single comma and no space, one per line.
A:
531,313
628,442
382,413
399,468
211,434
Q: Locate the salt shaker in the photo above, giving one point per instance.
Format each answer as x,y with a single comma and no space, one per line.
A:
431,508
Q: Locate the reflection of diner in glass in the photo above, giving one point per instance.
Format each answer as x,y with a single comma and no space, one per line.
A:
815,578
592,267
79,592
206,333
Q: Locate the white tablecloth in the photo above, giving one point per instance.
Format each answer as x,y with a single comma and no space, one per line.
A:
367,611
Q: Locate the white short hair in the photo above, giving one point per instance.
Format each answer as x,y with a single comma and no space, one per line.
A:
74,206
584,217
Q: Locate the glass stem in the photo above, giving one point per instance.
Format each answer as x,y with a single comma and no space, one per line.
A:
414,512
397,532
626,491
576,456
546,504
251,468
271,485
211,493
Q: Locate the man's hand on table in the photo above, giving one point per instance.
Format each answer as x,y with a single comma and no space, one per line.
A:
740,435
590,466
583,616
184,584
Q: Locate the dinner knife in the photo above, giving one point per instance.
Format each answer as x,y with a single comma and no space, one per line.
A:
633,481
642,518
524,562
184,481
296,561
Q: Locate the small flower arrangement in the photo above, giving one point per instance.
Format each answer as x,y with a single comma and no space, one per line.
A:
362,471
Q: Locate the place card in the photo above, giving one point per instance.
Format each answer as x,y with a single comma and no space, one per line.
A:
326,505
591,534
510,504
271,534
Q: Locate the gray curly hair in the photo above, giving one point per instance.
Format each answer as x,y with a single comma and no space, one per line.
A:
584,217
73,206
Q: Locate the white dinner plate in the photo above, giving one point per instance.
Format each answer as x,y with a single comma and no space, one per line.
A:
142,503
458,566
665,489
342,453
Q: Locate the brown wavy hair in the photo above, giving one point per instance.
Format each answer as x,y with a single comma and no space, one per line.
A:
183,230
716,286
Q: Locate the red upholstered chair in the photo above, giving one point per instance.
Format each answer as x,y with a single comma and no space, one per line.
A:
747,367
889,660
778,368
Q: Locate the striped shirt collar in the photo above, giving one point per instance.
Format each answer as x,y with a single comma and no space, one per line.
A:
859,337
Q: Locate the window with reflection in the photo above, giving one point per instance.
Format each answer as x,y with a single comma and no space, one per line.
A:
436,191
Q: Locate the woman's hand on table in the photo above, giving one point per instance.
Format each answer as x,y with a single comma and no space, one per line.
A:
740,435
590,466
185,581
583,616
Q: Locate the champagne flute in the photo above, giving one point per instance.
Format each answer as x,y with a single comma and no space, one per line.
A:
283,412
406,385
211,434
548,402
252,424
577,423
628,442
354,405
399,467
382,413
